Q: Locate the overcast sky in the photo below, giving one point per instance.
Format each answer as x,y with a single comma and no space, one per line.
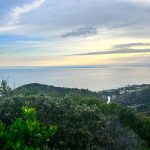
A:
74,32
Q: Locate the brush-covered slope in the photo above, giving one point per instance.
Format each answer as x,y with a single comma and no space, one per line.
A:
140,100
38,117
137,97
38,89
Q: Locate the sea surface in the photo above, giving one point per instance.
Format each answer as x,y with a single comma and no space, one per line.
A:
95,79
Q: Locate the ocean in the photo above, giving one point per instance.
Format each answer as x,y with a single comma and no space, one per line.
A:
95,79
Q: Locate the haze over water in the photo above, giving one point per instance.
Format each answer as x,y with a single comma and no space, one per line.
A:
95,79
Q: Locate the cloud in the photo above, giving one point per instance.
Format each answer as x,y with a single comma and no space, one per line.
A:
84,31
129,45
125,18
4,29
64,26
121,49
139,1
126,51
14,16
69,15
20,10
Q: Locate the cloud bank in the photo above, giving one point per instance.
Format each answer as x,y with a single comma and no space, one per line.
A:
73,28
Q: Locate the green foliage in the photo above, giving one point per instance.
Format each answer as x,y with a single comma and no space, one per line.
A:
136,98
82,121
26,133
140,124
4,88
129,118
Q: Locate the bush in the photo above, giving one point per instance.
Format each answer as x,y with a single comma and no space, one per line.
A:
26,133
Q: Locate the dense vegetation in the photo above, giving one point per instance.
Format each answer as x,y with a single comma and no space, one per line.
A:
140,100
26,132
42,117
135,96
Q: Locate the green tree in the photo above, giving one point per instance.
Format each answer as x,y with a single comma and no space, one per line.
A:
4,88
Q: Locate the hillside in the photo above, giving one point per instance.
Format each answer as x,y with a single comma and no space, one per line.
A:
38,117
38,89
136,96
140,100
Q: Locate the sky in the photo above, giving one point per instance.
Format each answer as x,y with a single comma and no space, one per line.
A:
74,33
